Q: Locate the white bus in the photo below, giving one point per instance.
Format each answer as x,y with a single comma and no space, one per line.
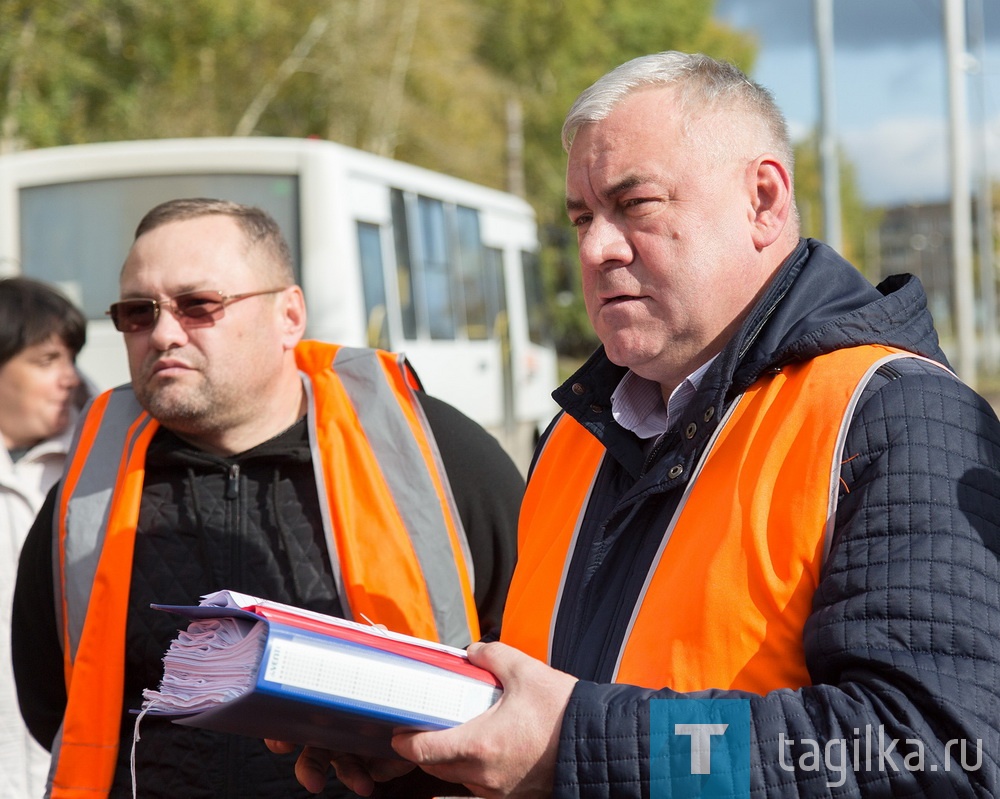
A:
388,255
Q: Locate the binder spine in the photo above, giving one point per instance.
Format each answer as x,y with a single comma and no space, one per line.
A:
373,682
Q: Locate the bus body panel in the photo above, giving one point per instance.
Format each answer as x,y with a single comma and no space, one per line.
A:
374,242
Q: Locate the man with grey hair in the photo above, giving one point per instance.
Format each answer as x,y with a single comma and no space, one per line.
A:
766,493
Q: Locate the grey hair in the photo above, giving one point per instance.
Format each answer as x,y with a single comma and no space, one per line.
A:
703,82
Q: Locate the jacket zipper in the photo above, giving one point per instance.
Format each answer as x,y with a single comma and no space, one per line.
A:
234,522
657,446
233,482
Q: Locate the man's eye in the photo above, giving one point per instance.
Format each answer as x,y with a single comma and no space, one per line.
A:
198,306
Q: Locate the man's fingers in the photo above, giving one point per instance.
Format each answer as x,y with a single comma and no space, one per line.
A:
429,749
354,774
311,768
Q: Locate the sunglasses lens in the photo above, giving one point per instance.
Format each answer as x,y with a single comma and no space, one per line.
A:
130,316
199,305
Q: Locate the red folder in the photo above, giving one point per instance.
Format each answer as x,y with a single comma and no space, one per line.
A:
316,679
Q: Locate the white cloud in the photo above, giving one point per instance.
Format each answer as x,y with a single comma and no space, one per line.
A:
900,160
906,159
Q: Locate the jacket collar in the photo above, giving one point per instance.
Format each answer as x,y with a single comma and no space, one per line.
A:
817,302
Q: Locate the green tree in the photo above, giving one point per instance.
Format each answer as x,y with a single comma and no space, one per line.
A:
475,88
397,77
113,69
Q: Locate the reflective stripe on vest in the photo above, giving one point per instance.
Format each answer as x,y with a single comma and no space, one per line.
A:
367,431
417,581
727,596
93,546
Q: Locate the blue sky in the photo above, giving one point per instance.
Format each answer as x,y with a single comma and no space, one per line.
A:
891,104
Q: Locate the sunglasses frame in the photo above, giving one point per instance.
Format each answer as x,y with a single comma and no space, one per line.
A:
179,313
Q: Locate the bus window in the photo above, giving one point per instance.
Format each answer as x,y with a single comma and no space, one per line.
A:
471,274
433,262
538,329
404,271
76,234
373,284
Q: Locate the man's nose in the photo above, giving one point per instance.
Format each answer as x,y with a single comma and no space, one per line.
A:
168,329
604,241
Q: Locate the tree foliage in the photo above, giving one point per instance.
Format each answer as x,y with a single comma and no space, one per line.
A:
434,82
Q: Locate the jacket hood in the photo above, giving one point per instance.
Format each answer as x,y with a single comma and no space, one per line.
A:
818,303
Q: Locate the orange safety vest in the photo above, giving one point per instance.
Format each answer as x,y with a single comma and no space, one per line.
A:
377,465
727,596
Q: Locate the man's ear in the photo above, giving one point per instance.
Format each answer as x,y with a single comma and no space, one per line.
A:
292,307
770,188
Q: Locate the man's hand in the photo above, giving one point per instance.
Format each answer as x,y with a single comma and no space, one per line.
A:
357,773
510,750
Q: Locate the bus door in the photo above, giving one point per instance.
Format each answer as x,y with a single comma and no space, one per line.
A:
496,286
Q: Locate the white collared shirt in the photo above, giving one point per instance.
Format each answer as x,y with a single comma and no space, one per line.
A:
637,403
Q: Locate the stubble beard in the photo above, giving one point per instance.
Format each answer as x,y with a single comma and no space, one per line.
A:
187,410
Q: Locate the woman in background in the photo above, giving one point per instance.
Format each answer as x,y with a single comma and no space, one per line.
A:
41,392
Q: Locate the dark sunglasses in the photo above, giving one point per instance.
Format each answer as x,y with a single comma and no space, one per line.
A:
192,307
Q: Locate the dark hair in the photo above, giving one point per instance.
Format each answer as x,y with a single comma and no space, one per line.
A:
257,225
32,312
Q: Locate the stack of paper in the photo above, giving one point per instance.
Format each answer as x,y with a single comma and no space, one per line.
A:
213,661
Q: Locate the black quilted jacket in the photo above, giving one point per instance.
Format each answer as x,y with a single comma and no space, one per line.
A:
249,523
905,629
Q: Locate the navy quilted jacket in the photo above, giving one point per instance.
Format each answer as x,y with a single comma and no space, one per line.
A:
903,643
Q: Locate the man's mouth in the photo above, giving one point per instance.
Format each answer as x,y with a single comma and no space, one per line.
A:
617,299
168,365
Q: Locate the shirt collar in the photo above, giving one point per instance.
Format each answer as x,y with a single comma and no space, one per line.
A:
637,403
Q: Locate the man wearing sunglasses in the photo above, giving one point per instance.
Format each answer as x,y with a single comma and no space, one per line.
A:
240,457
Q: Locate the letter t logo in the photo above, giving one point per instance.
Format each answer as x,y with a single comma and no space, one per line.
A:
701,744
717,733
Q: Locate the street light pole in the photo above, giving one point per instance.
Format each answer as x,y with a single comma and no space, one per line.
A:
829,160
984,205
961,204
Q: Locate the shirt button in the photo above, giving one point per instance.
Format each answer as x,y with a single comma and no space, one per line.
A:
691,430
596,408
709,414
675,471
578,389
